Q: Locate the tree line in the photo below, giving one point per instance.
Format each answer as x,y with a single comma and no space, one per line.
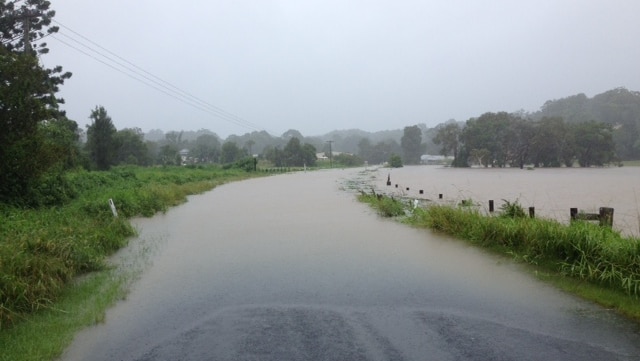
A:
503,139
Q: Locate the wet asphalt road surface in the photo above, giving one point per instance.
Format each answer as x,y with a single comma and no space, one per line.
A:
293,268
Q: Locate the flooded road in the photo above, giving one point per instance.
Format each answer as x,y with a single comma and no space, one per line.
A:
291,267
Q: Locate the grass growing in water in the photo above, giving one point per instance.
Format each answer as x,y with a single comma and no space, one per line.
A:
43,250
386,206
592,261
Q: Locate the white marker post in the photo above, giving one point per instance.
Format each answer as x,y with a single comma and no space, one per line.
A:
113,208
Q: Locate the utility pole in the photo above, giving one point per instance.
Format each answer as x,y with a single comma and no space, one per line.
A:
330,154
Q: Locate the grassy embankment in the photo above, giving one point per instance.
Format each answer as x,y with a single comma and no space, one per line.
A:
594,262
43,251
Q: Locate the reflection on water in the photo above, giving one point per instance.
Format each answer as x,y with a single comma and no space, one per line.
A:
551,191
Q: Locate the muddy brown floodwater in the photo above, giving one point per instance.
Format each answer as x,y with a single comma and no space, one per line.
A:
292,267
552,191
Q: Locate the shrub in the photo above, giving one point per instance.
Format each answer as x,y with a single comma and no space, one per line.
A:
395,161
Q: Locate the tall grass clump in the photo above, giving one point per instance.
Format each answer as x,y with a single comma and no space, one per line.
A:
386,206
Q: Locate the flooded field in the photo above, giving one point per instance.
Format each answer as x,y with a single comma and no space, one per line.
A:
551,191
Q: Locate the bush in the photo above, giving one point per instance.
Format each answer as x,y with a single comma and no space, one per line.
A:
512,210
395,161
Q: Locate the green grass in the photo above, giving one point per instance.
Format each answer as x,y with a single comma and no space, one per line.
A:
43,251
594,262
631,163
386,206
45,334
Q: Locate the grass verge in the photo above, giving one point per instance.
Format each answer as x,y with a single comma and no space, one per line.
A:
43,303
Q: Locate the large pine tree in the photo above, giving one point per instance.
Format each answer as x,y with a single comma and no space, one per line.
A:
27,99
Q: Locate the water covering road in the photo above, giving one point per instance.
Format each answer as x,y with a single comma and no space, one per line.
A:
293,268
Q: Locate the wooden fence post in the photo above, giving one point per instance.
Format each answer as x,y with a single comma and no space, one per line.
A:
573,213
606,217
491,206
532,212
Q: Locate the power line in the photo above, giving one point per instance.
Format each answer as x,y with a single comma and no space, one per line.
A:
173,87
152,80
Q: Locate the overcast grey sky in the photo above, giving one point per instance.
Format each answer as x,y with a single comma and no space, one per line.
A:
321,65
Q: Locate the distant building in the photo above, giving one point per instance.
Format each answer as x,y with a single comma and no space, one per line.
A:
184,155
434,159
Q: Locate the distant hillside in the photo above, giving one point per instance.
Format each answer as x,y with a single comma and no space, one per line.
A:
619,107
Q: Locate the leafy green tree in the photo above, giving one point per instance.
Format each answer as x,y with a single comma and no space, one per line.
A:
206,148
62,138
411,143
518,141
382,151
169,154
552,143
309,155
101,142
130,147
27,100
293,152
489,132
448,136
481,157
594,143
298,155
274,155
231,153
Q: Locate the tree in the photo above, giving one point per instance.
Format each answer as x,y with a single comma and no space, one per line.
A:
27,100
101,139
62,138
594,143
291,133
518,141
449,137
206,148
411,143
231,153
169,155
552,143
274,155
489,132
130,147
365,149
34,15
381,151
309,155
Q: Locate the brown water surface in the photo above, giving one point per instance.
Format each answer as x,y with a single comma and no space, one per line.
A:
291,267
552,191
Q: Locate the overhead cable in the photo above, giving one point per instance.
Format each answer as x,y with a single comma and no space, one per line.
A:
141,75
